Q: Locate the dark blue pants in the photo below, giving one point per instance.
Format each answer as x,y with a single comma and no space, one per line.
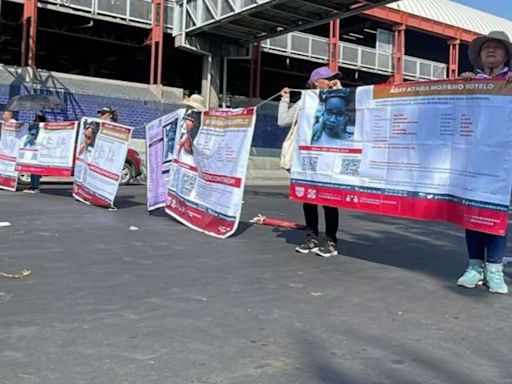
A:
478,243
34,181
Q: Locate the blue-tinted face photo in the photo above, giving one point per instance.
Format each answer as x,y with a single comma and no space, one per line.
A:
33,132
334,117
170,139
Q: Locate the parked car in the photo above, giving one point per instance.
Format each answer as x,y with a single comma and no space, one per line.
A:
131,169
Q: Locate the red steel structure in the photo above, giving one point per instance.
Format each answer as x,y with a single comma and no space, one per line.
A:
403,20
29,35
400,20
157,38
334,47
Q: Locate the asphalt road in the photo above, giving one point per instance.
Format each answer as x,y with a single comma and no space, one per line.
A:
165,304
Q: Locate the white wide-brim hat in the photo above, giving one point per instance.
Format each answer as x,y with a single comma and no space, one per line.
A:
195,101
476,46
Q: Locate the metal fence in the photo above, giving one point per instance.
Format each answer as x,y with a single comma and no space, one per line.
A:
138,11
314,48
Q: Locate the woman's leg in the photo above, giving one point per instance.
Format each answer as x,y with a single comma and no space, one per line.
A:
311,217
35,181
331,228
331,223
496,250
474,274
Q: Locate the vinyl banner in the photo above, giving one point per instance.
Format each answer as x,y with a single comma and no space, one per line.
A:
160,141
9,145
430,151
48,149
207,176
100,156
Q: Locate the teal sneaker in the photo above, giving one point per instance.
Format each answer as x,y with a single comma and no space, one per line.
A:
494,278
474,274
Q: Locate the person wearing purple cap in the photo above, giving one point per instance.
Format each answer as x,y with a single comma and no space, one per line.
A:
321,78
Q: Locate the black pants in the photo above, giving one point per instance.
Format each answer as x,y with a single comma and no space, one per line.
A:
331,220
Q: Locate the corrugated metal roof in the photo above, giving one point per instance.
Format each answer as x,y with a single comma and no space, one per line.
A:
453,13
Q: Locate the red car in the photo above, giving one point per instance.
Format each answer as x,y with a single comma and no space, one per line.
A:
131,170
132,167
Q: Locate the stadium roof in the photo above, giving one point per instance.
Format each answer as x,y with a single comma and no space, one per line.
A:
458,15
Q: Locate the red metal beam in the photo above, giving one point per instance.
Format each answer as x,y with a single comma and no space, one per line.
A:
453,66
258,71
398,75
29,25
157,37
421,23
334,48
255,73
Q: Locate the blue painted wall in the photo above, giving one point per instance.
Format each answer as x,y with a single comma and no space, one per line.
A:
134,113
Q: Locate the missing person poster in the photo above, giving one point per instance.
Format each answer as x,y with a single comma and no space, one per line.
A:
160,142
430,151
100,156
48,149
10,139
207,175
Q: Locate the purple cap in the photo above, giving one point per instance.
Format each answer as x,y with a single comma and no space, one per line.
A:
323,73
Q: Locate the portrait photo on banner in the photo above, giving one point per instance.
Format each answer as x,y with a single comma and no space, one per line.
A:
334,119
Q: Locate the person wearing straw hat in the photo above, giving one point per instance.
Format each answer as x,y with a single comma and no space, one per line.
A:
321,78
490,55
191,123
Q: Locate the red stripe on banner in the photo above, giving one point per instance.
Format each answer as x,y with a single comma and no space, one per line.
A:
234,182
11,159
44,170
197,218
185,165
103,172
230,113
81,192
57,126
315,148
8,182
475,218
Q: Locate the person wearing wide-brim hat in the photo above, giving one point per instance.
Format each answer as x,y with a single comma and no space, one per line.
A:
195,102
489,54
491,57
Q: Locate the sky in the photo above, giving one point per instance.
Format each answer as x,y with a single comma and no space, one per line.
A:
501,8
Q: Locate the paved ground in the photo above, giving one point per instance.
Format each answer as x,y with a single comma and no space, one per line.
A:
165,304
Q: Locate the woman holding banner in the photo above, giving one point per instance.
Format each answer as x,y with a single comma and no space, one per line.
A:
489,55
321,78
33,131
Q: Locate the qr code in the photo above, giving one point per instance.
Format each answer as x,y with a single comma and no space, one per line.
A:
350,167
309,163
188,183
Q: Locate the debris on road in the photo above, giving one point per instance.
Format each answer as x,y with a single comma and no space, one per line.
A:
19,275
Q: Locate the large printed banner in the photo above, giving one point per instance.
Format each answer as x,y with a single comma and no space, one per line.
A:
207,176
160,142
48,149
100,156
430,151
10,139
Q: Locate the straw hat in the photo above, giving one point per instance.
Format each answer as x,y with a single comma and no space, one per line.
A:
476,46
195,101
